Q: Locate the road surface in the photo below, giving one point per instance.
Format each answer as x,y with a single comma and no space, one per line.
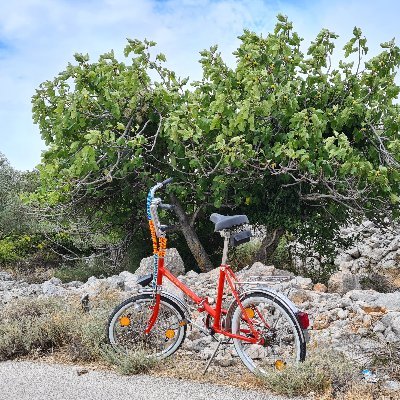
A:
39,381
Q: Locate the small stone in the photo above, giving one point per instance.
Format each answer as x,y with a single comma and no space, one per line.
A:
379,327
395,325
299,296
343,314
92,279
321,322
192,274
5,276
173,262
126,275
303,283
82,372
228,362
362,331
391,338
367,321
320,287
354,252
51,289
74,284
225,360
374,309
115,282
392,385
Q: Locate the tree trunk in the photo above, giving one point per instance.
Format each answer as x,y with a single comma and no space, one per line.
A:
268,245
192,240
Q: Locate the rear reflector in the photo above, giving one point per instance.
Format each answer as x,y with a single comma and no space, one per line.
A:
302,317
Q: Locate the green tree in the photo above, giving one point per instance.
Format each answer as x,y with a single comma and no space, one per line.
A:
16,225
13,213
283,136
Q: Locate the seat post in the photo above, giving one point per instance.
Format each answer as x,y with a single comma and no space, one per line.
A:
226,235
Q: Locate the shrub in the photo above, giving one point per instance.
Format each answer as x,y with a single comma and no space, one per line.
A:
27,326
41,324
378,282
320,373
243,255
82,271
128,362
31,325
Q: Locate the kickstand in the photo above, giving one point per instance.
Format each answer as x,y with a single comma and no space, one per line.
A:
212,357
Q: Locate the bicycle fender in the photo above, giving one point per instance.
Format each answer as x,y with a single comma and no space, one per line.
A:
176,300
290,305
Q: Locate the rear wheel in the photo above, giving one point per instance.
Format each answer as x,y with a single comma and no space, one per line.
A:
282,340
129,320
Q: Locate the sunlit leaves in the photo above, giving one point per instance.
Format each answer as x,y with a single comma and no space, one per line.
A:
240,137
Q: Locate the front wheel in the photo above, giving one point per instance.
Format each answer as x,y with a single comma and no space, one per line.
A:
283,342
128,321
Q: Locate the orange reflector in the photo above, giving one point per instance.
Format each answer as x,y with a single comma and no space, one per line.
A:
182,323
169,333
249,312
280,365
124,321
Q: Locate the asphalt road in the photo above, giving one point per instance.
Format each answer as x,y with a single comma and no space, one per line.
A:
39,381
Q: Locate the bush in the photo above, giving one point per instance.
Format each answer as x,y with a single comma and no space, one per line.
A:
243,255
30,326
27,326
320,373
38,325
82,271
281,257
130,362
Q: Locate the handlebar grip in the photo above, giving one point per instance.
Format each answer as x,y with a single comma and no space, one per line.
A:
167,181
166,206
166,228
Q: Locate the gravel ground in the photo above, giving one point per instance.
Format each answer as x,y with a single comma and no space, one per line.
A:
39,381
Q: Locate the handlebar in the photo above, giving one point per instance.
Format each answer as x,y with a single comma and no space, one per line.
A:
165,206
167,181
153,203
159,186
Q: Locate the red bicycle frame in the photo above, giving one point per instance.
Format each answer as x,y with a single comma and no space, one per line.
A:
225,274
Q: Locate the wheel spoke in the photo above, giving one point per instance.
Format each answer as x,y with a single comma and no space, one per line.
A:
163,339
281,340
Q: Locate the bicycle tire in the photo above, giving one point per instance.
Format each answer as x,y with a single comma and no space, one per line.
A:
284,344
137,310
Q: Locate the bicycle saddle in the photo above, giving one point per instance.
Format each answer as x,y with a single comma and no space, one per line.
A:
225,221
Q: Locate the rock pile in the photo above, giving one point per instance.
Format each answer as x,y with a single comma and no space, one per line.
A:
359,323
372,262
377,250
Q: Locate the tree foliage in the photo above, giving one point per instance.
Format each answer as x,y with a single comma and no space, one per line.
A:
16,226
283,136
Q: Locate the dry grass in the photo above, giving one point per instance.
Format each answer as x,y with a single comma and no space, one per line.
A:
33,327
322,373
128,362
364,391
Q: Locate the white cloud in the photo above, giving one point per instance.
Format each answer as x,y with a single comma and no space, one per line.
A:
39,37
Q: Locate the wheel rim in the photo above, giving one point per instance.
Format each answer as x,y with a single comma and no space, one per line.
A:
165,336
281,345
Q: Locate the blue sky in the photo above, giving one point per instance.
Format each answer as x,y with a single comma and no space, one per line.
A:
39,37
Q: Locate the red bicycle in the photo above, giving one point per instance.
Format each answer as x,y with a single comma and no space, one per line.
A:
266,328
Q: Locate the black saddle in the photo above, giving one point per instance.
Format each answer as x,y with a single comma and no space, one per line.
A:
225,221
